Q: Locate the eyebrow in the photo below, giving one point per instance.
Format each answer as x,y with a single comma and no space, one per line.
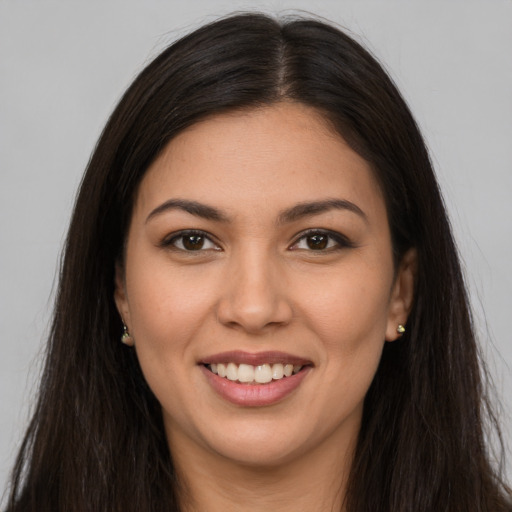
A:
193,207
289,215
308,209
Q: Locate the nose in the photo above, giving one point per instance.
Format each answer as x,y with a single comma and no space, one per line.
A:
254,296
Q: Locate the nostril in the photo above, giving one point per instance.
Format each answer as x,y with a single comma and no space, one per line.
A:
253,296
255,314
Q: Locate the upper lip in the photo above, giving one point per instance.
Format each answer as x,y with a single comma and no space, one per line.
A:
255,359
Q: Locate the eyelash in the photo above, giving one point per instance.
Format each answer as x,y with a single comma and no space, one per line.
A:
170,242
339,240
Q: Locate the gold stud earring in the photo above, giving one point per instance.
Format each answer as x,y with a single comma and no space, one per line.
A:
400,329
126,337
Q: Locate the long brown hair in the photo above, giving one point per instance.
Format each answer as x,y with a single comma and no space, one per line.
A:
96,439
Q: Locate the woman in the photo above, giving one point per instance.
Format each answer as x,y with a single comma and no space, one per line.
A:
261,227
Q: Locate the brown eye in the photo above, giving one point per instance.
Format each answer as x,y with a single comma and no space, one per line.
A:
317,242
192,242
322,241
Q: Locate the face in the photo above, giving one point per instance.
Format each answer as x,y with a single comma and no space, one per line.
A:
259,287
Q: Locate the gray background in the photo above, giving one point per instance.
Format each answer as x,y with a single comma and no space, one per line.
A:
64,64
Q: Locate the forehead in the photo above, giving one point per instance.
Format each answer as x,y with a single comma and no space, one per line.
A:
269,157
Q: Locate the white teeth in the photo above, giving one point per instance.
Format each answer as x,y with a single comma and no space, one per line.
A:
221,370
245,373
232,371
277,371
261,374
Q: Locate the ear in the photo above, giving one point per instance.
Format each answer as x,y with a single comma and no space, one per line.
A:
120,295
402,294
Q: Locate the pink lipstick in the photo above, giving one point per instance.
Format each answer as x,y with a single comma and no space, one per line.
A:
254,379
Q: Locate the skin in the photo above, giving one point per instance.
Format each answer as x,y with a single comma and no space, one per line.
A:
258,286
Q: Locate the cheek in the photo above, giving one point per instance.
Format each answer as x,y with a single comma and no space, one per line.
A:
350,318
166,305
350,306
166,312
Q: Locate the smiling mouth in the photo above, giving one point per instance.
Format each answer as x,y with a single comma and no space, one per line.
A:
254,374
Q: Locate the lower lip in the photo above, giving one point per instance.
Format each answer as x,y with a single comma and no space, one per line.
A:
254,395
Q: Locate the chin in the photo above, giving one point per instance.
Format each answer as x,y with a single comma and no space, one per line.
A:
269,453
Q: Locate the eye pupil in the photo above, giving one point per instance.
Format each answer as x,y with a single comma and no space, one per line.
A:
317,242
193,242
